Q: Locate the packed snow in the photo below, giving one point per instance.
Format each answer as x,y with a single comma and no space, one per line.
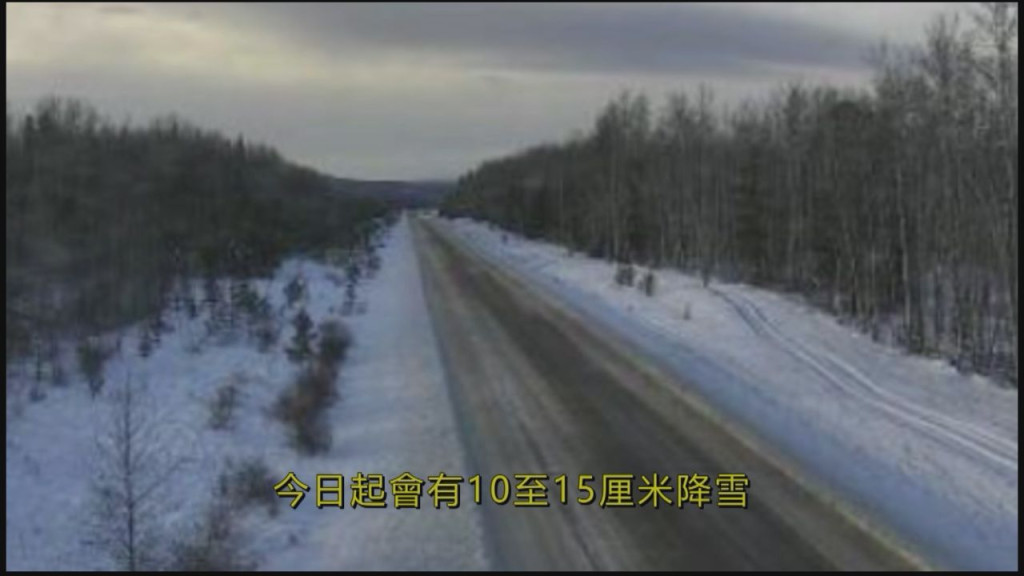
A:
917,450
393,416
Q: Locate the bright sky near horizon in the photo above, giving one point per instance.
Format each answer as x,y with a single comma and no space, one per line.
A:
427,90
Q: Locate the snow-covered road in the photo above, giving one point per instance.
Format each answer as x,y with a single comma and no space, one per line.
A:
918,451
906,446
538,390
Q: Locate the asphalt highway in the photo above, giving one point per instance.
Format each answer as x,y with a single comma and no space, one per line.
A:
538,389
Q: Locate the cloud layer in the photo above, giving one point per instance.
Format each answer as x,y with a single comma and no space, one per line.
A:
423,91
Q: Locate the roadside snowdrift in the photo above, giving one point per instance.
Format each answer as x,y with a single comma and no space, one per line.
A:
392,416
908,441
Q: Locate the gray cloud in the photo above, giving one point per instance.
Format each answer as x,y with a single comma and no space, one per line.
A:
421,91
571,38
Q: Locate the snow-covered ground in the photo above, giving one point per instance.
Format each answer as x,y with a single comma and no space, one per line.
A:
393,416
908,442
914,448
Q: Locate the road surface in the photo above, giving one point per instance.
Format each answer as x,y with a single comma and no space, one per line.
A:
537,390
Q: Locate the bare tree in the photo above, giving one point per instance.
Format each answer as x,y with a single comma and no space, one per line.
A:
131,465
894,206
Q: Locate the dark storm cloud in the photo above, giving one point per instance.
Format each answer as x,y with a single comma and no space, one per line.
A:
638,39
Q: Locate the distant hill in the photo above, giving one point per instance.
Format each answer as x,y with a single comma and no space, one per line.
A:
423,194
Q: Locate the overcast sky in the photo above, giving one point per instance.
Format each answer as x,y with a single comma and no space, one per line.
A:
426,91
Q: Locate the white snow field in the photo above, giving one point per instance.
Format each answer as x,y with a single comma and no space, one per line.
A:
393,416
914,449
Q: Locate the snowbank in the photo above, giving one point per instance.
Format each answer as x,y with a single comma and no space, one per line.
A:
908,442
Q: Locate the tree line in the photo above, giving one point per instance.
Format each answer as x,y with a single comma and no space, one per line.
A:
103,219
893,205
